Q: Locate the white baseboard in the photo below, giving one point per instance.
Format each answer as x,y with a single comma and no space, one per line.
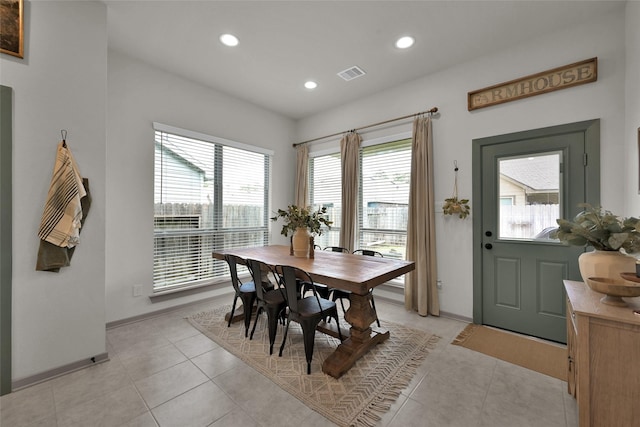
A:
56,372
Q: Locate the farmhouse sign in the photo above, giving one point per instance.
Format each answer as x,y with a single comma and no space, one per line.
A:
535,84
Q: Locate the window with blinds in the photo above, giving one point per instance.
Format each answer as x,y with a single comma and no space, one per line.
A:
209,194
385,172
325,190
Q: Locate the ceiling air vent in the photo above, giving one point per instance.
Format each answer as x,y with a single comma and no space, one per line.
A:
351,73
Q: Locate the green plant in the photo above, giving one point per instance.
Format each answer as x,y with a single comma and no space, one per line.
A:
601,229
295,217
454,206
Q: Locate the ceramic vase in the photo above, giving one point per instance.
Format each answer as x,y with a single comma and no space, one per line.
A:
300,242
605,264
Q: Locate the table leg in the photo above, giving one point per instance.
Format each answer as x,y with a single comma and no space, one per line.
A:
238,314
360,316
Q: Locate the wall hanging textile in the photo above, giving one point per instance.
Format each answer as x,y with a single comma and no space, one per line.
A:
62,217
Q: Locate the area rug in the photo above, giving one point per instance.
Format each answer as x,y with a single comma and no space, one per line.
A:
358,398
529,352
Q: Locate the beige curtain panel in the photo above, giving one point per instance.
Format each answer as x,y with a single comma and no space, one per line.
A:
302,176
349,150
420,289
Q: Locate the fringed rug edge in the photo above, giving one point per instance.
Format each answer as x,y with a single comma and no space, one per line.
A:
465,334
380,404
374,409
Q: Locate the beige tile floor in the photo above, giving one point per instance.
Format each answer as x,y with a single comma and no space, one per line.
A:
163,372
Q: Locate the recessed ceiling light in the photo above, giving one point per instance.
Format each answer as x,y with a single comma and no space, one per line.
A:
229,40
310,84
404,42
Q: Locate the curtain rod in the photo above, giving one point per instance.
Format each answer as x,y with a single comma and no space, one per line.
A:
431,111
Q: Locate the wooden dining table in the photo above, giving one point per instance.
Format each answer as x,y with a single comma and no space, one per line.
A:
357,274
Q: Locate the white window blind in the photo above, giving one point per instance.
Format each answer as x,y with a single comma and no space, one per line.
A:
385,172
208,196
325,190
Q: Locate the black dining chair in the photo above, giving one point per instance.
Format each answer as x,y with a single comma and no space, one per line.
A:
272,301
307,311
336,249
245,291
367,252
341,295
324,290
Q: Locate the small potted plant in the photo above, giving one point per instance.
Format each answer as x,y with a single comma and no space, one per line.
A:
455,206
303,224
614,238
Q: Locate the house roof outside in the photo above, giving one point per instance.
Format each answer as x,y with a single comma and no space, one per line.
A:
539,173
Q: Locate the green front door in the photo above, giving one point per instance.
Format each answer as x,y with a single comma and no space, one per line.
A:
523,182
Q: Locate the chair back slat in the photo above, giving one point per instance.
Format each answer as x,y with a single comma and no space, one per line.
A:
368,252
256,268
294,279
336,249
290,282
232,261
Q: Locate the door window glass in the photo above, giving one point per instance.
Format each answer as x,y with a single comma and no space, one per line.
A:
529,195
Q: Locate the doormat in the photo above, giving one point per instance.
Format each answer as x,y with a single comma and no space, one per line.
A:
529,352
358,398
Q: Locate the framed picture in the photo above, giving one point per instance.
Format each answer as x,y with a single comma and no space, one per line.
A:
11,27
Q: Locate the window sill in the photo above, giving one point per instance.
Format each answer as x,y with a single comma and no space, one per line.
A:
188,290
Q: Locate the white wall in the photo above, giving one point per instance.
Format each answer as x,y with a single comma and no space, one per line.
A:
62,83
456,127
58,318
632,107
139,95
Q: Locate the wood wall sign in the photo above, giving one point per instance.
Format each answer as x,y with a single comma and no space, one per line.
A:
547,81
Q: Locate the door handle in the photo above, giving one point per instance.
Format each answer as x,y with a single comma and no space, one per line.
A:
488,246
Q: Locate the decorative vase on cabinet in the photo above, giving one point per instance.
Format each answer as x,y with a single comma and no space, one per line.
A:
608,264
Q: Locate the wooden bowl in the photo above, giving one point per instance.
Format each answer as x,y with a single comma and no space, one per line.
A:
614,289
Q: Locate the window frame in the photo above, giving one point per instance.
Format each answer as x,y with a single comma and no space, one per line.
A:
335,149
218,270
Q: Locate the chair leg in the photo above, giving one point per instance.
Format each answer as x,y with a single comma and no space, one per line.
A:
233,309
247,303
338,325
342,305
373,304
255,323
284,340
309,335
272,318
